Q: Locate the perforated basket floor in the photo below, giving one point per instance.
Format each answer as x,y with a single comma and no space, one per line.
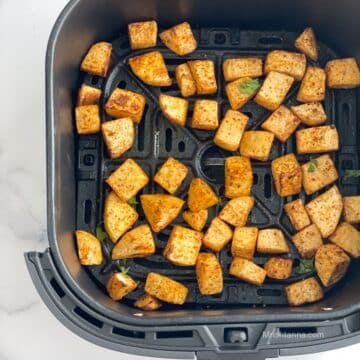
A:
157,139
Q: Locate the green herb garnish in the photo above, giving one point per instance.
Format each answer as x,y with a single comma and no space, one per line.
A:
222,200
306,266
132,201
100,233
250,87
352,173
312,166
123,268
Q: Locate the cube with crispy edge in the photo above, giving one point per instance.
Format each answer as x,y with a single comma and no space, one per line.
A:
237,210
282,123
119,136
342,73
331,264
238,176
205,115
244,241
347,237
97,59
318,173
88,95
174,108
203,73
138,242
256,144
306,43
325,211
127,180
231,129
119,285
304,292
183,246
196,219
271,241
89,248
160,209
201,196
286,62
307,241
87,119
287,175
185,80
311,114
295,210
209,274
236,98
125,103
247,271
148,302
142,34
278,268
165,289
171,175
119,216
352,209
312,86
151,68
242,67
218,235
317,139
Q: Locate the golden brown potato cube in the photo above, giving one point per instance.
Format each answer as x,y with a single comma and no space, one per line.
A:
271,241
185,80
297,214
142,34
274,90
306,43
89,248
304,292
87,119
331,264
127,180
119,285
201,196
97,59
205,115
119,216
244,242
256,144
352,209
138,242
236,68
119,136
209,274
165,289
183,246
160,209
125,103
325,211
88,95
282,123
203,73
247,271
218,235
148,302
236,211
307,241
231,130
342,73
196,220
236,98
311,114
317,139
287,175
278,268
174,108
347,237
312,86
286,62
151,68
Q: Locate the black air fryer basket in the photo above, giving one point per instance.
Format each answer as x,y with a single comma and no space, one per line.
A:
244,320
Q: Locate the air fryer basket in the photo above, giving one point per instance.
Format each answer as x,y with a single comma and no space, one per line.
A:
208,326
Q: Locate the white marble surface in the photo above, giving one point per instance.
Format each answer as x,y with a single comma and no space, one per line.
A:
27,329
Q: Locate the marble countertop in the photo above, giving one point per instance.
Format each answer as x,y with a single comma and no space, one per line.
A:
27,329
